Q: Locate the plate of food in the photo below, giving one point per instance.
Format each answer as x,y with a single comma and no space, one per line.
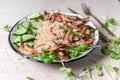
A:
53,37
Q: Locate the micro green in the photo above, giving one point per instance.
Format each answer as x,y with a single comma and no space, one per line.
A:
68,71
29,78
99,69
109,22
112,49
6,28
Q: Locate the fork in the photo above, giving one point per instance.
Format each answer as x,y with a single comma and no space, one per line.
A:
87,11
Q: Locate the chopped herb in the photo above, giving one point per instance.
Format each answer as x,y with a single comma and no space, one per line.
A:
109,22
6,28
75,33
29,78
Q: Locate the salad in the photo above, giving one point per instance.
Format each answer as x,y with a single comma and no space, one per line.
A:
54,36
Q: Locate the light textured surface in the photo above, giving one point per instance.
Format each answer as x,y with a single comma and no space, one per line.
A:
13,67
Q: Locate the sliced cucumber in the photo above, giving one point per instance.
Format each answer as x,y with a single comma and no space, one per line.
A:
26,24
20,31
35,16
17,39
27,37
34,30
36,24
19,26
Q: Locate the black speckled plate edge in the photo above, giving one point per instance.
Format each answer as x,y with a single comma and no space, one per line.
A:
32,59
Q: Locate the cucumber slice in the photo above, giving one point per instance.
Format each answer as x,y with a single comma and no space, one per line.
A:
20,31
35,16
26,24
34,31
27,37
36,24
19,26
17,39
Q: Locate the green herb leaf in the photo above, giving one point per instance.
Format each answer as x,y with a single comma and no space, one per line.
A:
6,28
48,60
29,78
109,22
114,56
112,48
98,66
62,69
83,47
116,69
105,51
75,33
113,69
100,73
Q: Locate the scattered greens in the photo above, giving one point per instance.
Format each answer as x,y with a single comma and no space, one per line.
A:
29,78
68,71
6,28
99,68
109,22
112,48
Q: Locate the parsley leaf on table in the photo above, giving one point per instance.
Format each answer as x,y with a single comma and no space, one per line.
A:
109,21
6,28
